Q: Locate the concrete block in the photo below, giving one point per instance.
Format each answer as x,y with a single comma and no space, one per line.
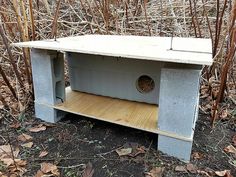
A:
178,104
47,113
175,147
178,109
48,76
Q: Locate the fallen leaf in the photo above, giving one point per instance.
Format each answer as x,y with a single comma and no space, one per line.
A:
155,172
136,148
137,151
5,151
203,173
191,168
180,168
230,149
38,128
10,161
43,153
49,167
234,140
224,114
16,152
123,152
197,155
5,148
7,161
24,137
55,172
39,174
28,145
225,173
88,171
15,125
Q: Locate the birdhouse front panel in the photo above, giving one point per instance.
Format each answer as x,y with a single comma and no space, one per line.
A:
124,78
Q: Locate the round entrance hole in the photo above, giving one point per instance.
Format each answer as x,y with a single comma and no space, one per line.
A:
145,84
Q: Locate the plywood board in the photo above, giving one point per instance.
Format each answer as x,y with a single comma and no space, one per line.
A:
185,50
137,115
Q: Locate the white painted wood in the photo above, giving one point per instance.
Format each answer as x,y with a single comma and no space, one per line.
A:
185,50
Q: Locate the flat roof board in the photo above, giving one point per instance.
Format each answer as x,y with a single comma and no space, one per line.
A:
185,50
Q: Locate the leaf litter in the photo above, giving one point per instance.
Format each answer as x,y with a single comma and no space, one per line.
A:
24,137
13,164
47,169
38,128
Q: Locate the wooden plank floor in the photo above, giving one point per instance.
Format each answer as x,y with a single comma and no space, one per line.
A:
137,115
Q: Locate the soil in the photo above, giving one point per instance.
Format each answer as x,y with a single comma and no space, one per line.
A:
77,140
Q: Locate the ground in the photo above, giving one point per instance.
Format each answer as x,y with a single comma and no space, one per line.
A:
75,141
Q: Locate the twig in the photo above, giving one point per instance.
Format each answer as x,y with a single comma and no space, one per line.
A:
8,83
145,12
54,23
73,166
10,55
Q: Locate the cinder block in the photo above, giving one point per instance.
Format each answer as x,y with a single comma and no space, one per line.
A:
48,113
178,102
43,77
48,76
175,147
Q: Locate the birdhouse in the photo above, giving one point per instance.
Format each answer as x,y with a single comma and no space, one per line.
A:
146,83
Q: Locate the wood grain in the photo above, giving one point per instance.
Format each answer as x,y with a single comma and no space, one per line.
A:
137,115
185,50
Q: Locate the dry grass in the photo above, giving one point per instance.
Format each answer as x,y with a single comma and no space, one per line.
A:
24,20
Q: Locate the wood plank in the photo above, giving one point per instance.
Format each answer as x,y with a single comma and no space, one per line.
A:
137,115
185,50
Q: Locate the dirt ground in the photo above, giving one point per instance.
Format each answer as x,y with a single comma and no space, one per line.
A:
75,141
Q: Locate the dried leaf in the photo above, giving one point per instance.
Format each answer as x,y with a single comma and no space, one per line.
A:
5,151
15,125
38,128
138,150
155,172
191,168
225,173
204,173
7,161
43,153
88,171
39,174
24,137
197,155
230,149
49,167
16,152
28,145
123,152
234,140
224,114
10,161
55,172
180,168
